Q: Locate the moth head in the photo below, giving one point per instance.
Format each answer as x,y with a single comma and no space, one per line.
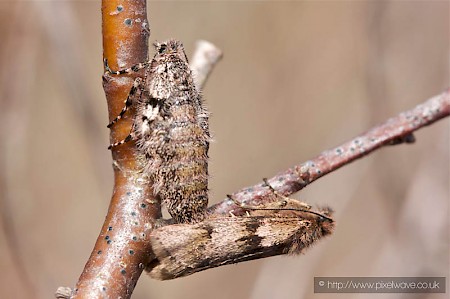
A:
171,48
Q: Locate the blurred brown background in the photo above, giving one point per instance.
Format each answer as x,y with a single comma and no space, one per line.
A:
297,78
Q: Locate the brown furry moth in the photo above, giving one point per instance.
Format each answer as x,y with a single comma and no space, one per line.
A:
170,127
276,228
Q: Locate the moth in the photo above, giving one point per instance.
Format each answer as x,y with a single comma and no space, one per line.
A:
283,227
171,130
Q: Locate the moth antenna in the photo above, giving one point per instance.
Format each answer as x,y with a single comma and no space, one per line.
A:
128,102
266,182
134,69
131,136
255,208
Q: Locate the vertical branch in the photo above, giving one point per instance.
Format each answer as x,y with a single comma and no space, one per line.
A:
122,248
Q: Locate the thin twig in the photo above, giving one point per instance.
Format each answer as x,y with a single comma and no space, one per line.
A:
205,57
396,130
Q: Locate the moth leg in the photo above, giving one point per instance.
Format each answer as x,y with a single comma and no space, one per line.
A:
286,199
278,205
135,68
130,137
241,205
137,84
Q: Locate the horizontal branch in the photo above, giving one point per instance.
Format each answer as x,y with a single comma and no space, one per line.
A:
394,131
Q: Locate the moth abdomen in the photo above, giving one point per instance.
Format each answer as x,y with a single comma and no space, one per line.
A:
181,179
